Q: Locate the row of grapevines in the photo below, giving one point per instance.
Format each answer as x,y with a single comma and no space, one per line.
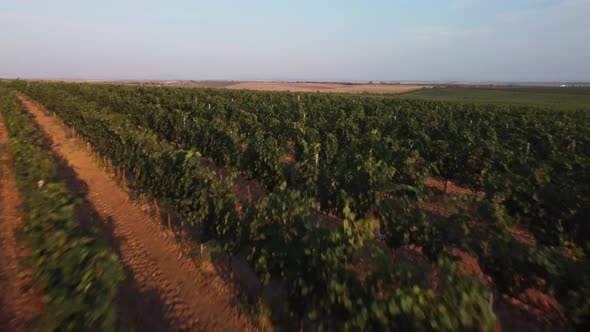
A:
78,276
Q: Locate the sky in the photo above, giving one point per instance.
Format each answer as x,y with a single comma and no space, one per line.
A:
324,40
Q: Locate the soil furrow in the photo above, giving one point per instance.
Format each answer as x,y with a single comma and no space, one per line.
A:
158,268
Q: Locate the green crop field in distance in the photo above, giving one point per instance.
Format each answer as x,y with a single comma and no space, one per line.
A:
554,97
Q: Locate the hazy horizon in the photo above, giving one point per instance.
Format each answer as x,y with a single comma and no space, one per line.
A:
396,40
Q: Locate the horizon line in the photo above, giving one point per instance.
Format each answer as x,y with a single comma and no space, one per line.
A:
277,80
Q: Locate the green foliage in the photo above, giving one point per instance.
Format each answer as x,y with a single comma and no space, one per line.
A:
78,276
356,156
554,97
282,235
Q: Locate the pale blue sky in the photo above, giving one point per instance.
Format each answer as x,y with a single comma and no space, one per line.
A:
475,40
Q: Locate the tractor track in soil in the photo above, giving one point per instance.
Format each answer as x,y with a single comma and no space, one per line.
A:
164,289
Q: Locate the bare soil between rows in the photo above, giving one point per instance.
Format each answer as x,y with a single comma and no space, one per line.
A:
164,289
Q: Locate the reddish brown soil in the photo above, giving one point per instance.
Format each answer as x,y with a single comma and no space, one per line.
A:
452,188
531,311
523,236
515,315
166,290
20,303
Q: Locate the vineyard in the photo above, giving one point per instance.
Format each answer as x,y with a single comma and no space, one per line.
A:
368,213
77,274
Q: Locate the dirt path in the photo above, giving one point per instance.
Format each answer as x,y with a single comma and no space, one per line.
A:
20,304
173,293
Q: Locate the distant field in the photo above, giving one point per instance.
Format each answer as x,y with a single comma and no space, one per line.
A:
555,97
546,96
290,86
327,87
